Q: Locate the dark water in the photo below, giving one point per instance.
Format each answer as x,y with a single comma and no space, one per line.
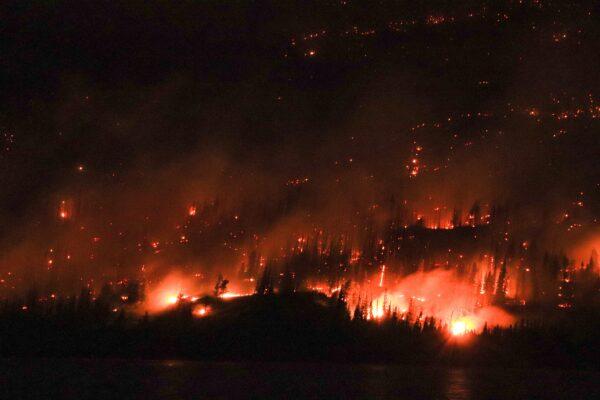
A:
115,379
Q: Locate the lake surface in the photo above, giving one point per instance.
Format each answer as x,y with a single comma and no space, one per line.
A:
125,379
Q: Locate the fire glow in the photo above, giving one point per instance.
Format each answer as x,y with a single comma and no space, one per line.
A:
462,326
434,294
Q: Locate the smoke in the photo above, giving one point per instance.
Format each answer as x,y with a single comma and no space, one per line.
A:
329,179
268,148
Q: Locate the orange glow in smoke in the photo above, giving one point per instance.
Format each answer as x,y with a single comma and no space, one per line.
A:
169,291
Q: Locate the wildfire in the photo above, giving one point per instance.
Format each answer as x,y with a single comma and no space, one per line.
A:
169,291
462,326
201,311
171,299
378,312
458,328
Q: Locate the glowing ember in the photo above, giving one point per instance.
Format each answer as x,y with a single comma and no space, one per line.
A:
382,276
64,209
201,311
231,295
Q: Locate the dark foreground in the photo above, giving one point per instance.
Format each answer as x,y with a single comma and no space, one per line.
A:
104,379
304,327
